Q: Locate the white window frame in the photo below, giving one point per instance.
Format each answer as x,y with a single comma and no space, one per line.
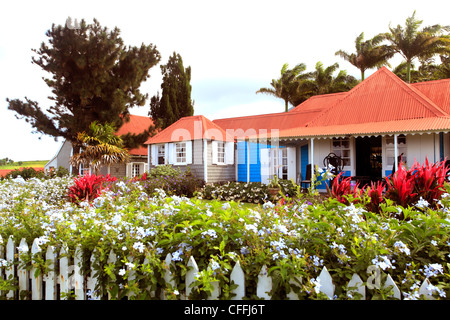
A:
160,152
178,149
390,149
135,169
344,152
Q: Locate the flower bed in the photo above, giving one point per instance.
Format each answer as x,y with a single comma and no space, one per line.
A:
297,238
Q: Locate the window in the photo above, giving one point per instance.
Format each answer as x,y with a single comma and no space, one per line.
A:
279,163
220,152
390,150
135,170
83,170
161,154
180,152
341,147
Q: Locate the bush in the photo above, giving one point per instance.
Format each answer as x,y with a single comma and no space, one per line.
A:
175,183
25,173
252,192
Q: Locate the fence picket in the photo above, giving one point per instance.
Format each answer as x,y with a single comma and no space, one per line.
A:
356,285
22,272
91,282
295,281
36,282
238,277
216,289
190,275
50,278
390,282
112,258
264,285
424,289
326,283
168,277
78,281
10,257
64,281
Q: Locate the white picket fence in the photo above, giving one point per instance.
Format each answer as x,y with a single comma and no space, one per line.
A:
69,280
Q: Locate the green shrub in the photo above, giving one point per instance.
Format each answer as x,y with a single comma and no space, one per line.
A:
25,173
253,192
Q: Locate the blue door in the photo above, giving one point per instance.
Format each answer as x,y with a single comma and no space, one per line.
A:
304,158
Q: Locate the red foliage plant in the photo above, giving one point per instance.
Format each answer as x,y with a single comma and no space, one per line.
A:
375,193
342,188
88,187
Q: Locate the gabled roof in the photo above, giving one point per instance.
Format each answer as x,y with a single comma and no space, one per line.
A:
190,128
136,125
381,97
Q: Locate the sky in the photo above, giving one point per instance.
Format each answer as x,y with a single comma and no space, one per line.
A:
233,47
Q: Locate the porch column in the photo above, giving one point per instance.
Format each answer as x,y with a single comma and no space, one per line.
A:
205,160
395,152
312,164
248,161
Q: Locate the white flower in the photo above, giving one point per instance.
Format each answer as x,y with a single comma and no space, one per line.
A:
433,269
139,246
317,284
402,247
122,272
422,203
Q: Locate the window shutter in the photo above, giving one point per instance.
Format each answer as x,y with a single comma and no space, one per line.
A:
214,151
154,154
128,170
145,167
265,165
292,163
229,152
188,152
166,153
170,153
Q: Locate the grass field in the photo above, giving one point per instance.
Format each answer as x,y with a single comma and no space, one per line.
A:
24,164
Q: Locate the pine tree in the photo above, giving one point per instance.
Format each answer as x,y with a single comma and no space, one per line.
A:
175,100
94,77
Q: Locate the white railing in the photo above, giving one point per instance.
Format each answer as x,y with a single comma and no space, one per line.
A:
69,280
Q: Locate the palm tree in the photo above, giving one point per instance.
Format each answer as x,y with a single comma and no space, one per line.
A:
410,42
369,54
287,86
100,147
323,82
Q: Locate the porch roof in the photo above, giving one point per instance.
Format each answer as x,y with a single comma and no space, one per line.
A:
409,126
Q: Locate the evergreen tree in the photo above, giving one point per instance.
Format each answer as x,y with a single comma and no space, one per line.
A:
175,100
95,77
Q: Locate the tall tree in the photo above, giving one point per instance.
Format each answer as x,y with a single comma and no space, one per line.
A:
369,54
323,81
411,43
288,86
175,101
99,146
94,77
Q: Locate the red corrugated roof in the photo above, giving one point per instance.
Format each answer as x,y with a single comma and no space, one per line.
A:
191,128
136,125
438,91
422,125
381,97
319,102
242,127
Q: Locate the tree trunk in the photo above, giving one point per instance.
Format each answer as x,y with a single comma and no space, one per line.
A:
75,150
362,75
408,70
286,105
